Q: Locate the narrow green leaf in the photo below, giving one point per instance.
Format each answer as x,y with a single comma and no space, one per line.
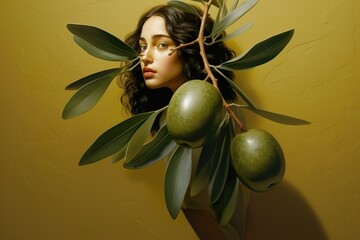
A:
201,179
158,148
202,173
218,148
238,90
222,12
86,97
140,136
224,207
279,118
102,40
177,178
214,160
235,33
119,155
185,7
216,3
98,52
261,53
109,73
229,209
232,16
233,5
114,139
200,1
217,181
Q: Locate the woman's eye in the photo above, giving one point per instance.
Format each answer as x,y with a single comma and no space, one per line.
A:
162,45
142,48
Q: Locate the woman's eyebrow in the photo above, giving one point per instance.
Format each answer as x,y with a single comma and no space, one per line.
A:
155,37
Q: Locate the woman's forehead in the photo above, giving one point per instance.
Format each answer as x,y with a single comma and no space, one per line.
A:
154,26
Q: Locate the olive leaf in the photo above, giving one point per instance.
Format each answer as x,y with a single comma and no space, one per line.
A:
119,155
114,139
261,53
222,11
232,17
237,89
276,117
201,178
208,153
225,206
92,88
216,3
177,178
158,148
233,34
140,136
100,43
185,7
98,52
280,118
233,5
111,73
218,179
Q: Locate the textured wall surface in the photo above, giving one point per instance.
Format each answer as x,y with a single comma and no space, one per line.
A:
44,194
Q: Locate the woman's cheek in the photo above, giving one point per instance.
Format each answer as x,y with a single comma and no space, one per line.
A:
174,64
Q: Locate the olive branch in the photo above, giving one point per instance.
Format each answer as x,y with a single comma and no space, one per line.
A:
122,141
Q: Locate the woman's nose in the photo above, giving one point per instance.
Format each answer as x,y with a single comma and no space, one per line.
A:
147,56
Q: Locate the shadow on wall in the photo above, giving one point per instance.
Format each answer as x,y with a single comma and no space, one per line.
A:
283,214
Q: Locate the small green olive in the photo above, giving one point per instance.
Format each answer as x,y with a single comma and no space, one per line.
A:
258,159
194,113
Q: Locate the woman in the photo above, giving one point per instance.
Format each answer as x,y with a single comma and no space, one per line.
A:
150,86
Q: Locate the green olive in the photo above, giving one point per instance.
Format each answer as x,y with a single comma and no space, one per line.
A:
194,113
257,159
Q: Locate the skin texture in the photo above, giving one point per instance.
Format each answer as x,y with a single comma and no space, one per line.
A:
160,69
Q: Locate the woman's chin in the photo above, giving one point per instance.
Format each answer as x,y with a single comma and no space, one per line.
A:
152,84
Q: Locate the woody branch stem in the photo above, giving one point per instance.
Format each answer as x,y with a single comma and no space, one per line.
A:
207,67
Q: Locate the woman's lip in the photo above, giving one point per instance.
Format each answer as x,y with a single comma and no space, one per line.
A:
147,69
148,72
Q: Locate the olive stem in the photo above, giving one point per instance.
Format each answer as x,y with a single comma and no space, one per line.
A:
207,67
182,45
237,120
201,39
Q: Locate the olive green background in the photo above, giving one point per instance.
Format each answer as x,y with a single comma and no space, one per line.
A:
44,194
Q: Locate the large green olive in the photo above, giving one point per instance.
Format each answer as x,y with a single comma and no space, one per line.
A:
194,113
258,159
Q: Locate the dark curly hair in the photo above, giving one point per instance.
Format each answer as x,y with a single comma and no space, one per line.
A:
183,28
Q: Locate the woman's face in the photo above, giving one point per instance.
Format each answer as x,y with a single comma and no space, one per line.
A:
159,68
